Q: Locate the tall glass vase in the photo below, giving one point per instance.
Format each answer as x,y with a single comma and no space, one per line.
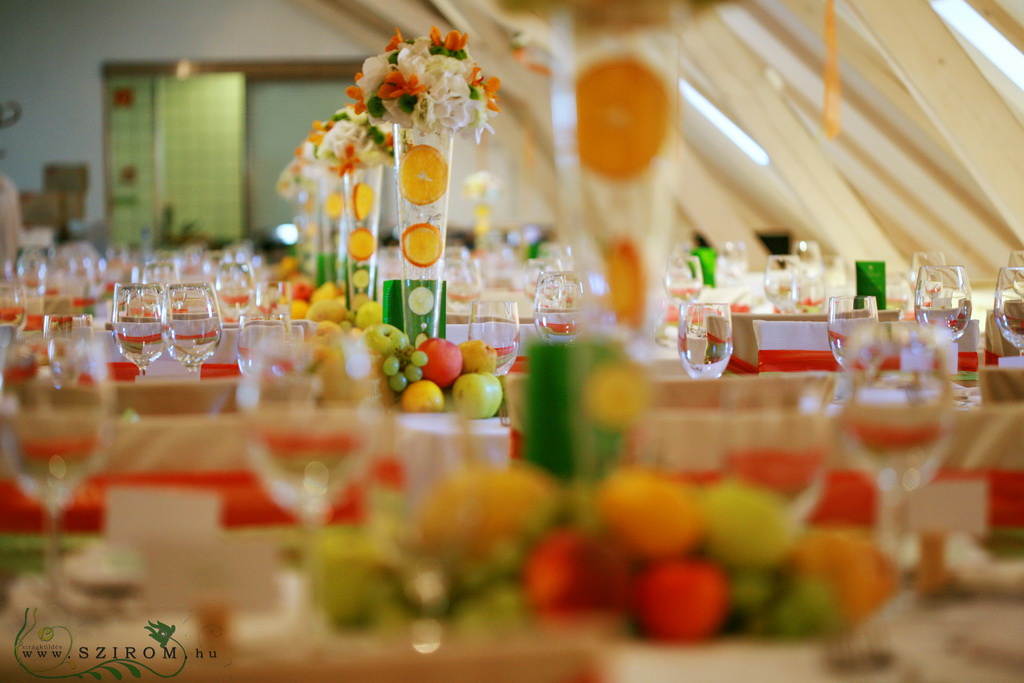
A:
358,238
615,107
422,173
305,248
329,206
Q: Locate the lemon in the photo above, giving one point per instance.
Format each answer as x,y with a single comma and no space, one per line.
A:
299,309
616,395
327,290
326,309
651,515
422,397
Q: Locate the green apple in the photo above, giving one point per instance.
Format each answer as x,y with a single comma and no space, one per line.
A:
477,395
478,356
384,339
370,313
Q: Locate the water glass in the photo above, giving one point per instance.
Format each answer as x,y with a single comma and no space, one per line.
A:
235,286
191,324
705,339
137,320
810,292
65,336
464,283
781,282
731,264
558,306
684,278
497,323
158,272
809,254
274,296
1009,305
920,259
943,298
533,269
12,305
847,314
256,330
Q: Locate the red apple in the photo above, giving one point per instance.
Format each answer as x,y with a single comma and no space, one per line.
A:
682,600
444,361
570,573
302,288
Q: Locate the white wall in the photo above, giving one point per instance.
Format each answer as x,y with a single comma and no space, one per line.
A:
51,53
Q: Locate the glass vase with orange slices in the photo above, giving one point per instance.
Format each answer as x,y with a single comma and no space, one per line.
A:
429,88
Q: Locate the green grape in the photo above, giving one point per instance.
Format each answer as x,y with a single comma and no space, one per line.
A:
413,373
398,382
391,366
418,358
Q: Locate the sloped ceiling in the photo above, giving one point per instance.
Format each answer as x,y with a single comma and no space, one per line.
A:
931,156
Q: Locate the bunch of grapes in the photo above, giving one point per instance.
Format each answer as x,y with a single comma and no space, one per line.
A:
403,367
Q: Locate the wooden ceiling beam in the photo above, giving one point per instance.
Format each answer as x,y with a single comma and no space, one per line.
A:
995,13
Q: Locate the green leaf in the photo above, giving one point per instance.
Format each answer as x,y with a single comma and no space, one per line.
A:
461,54
375,106
393,57
474,93
407,103
342,116
438,50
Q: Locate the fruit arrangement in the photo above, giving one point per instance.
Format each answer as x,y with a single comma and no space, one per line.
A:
420,376
672,561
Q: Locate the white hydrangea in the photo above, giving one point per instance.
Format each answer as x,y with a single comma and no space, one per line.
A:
355,130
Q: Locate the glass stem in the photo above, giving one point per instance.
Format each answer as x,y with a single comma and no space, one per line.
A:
53,517
890,524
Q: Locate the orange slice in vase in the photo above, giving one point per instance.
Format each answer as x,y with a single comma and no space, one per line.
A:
333,205
626,290
622,111
362,201
361,244
423,175
422,245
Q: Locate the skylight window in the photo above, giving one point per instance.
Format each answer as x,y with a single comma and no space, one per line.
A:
982,35
722,123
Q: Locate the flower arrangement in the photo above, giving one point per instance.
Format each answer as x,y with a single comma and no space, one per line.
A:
350,139
295,179
429,84
482,187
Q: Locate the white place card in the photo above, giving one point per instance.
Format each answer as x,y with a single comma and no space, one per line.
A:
1011,361
946,506
136,514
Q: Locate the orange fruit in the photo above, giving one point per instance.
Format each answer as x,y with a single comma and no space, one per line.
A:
422,397
361,244
626,288
622,117
334,205
362,200
422,245
423,175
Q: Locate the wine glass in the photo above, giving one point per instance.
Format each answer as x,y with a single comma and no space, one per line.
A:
464,283
1009,305
255,330
32,267
497,323
64,336
558,306
705,339
943,298
533,269
809,254
919,259
684,278
234,289
897,418
810,291
274,296
781,275
731,263
191,324
137,321
303,445
846,314
54,435
12,305
158,272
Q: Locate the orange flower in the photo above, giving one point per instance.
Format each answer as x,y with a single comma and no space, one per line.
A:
315,138
356,93
396,42
453,42
477,76
491,90
395,86
349,161
435,36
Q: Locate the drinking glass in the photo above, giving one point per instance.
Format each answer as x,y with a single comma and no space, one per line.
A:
54,435
497,323
255,330
809,254
234,289
32,267
12,305
274,296
64,336
731,263
919,259
896,420
684,278
810,291
781,275
191,324
847,314
137,320
705,339
464,283
943,298
558,306
1009,305
533,269
1016,259
158,272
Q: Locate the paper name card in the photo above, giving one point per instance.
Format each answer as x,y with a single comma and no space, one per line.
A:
1011,361
778,335
947,506
136,514
871,281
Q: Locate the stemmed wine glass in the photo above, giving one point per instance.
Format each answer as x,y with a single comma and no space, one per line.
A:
684,278
138,322
497,323
731,264
705,339
1009,305
54,435
464,283
256,329
846,314
274,296
191,324
64,336
12,305
234,289
943,298
304,446
558,306
781,282
159,272
533,269
920,259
